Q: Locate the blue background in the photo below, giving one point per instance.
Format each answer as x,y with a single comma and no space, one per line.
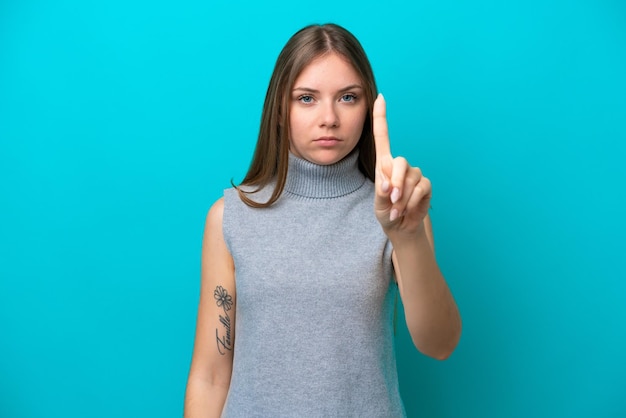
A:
121,122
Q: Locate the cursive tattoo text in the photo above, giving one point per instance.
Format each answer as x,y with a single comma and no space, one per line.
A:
224,301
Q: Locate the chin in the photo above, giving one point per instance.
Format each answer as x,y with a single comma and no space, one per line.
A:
327,157
327,160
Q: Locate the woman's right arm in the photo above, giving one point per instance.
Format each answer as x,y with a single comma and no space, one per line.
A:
211,364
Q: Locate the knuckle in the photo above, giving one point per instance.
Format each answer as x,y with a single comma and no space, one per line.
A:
401,161
416,172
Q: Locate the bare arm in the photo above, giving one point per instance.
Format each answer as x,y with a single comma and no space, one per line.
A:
211,365
431,313
401,205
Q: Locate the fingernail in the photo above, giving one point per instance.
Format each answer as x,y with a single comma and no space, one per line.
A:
385,186
395,195
393,215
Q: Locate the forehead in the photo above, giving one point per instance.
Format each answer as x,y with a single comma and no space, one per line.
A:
329,71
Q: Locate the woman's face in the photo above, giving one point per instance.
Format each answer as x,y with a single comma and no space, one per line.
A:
327,110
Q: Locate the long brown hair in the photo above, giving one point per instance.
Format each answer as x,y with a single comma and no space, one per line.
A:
271,156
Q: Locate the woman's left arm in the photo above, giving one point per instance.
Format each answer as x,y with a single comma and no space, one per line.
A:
430,310
401,204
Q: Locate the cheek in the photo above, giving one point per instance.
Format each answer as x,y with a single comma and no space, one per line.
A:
297,121
357,122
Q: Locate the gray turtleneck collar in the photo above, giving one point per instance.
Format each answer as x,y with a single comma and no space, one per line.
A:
310,180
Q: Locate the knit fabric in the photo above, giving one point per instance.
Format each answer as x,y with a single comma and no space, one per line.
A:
315,297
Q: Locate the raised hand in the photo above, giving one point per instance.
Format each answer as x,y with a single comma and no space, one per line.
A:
402,193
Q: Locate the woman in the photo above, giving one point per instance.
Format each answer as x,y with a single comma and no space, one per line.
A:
300,262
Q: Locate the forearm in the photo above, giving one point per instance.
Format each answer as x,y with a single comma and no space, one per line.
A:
431,313
203,399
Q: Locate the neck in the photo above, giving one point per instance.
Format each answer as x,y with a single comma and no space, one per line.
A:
310,180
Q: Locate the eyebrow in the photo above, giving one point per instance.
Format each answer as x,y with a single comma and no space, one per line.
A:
310,90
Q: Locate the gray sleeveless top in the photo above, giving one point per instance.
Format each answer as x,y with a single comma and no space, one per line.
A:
315,297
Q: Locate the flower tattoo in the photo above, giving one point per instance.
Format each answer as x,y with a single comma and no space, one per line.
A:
223,298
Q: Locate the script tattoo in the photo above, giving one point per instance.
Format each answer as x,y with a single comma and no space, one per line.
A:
225,301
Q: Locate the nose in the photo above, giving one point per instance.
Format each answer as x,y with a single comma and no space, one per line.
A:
329,117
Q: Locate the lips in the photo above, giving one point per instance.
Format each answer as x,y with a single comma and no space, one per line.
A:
327,139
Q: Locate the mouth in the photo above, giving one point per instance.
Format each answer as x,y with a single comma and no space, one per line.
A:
327,139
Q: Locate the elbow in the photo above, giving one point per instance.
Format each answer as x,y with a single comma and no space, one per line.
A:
443,354
438,347
440,353
449,348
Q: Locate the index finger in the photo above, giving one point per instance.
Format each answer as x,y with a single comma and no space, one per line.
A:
381,132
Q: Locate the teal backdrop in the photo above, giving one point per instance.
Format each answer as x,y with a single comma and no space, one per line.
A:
121,122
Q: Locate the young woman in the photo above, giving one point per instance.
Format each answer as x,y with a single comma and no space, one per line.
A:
302,262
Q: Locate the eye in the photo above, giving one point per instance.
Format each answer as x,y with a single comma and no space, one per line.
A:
305,99
350,98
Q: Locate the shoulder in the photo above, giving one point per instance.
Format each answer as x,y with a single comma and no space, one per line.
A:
230,203
216,214
256,193
215,241
214,227
213,230
227,215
